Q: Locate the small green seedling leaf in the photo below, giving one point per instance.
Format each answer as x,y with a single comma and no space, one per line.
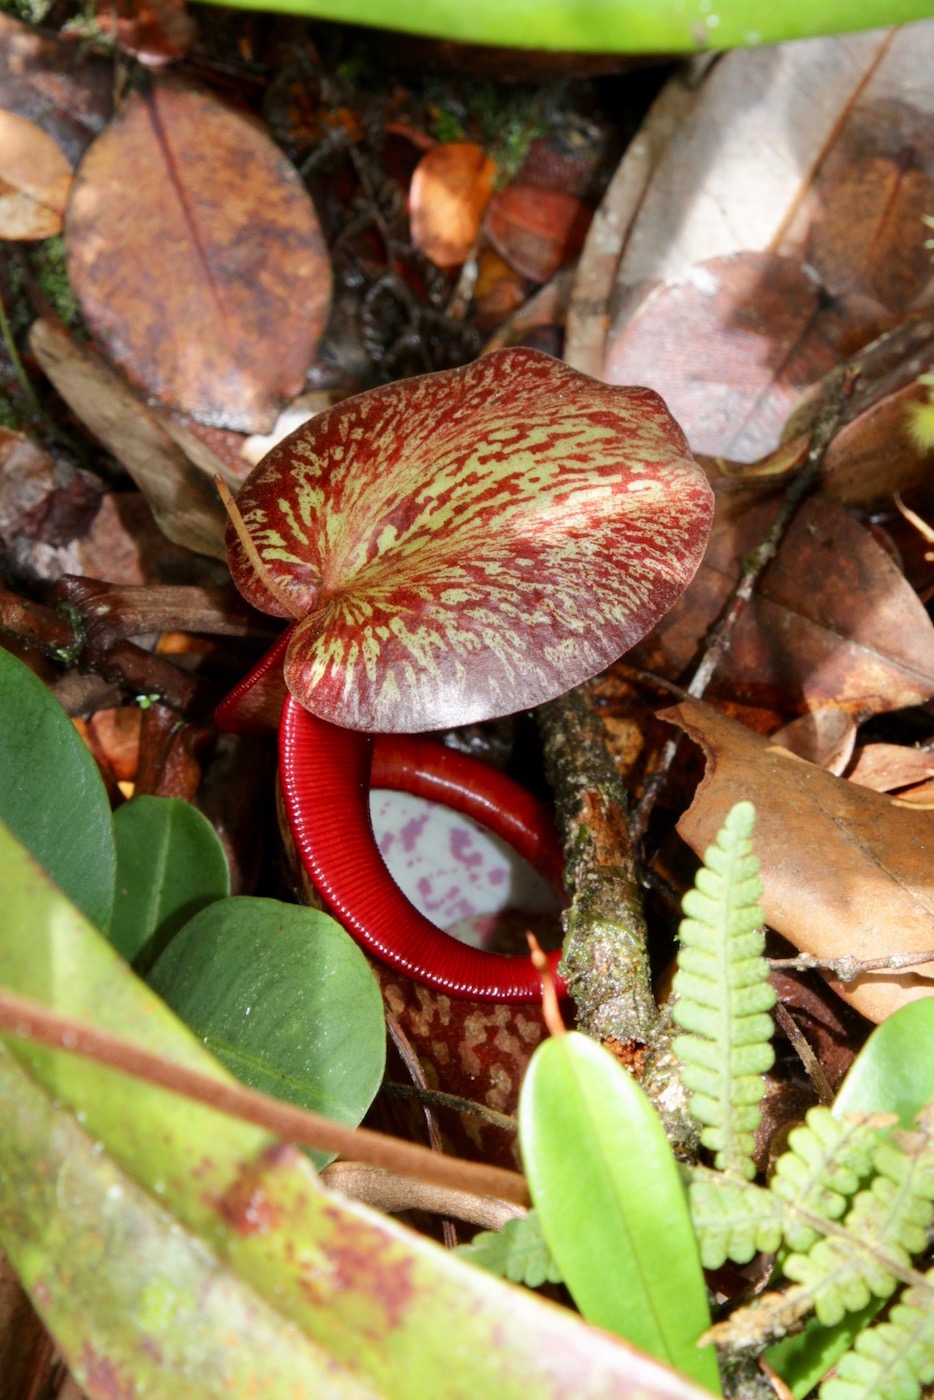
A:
51,794
284,998
170,864
518,1252
608,1192
894,1071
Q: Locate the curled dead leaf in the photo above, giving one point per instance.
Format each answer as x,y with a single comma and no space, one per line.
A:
183,499
844,871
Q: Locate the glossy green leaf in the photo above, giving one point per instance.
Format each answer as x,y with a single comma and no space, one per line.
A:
51,793
626,26
387,1307
284,998
607,1189
894,1071
170,864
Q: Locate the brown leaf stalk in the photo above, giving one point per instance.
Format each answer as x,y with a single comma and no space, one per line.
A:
29,1020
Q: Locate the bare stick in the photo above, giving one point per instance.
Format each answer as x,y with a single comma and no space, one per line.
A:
720,637
31,1021
809,1060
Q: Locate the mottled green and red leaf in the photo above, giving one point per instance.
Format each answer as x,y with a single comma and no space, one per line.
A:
470,543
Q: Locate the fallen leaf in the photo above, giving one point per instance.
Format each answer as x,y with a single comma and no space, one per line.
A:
57,84
875,455
35,179
112,735
845,873
537,231
739,280
450,190
825,737
886,767
197,257
154,31
732,345
832,622
183,500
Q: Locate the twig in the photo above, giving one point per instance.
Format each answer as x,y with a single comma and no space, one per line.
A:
413,1064
847,969
809,1060
720,637
390,1192
436,1099
605,958
30,1020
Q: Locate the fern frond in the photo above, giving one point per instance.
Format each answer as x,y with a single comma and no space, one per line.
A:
887,1223
723,996
826,1163
892,1360
518,1252
733,1219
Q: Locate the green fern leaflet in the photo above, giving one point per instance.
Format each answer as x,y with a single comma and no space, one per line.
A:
724,997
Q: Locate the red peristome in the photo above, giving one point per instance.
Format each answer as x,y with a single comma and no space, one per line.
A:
473,542
326,773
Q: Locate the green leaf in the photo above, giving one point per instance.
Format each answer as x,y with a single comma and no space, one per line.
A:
723,996
170,864
284,998
152,1312
518,1252
51,794
387,1308
894,1071
628,26
613,1210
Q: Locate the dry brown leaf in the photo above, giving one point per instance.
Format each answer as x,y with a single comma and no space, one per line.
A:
845,873
112,735
154,31
825,737
61,87
197,257
23,1339
183,500
35,180
886,767
735,342
537,231
832,622
876,454
450,190
720,260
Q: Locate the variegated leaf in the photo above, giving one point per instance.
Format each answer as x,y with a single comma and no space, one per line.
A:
470,543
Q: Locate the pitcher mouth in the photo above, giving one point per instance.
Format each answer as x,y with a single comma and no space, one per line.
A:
326,773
